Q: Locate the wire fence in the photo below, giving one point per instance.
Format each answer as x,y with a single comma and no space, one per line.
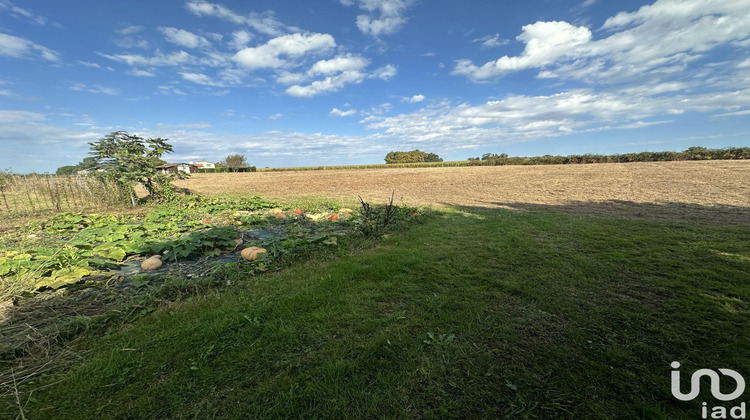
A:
33,194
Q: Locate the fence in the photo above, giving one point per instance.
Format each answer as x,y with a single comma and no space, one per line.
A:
25,195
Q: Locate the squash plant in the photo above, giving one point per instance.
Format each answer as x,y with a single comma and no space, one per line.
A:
209,243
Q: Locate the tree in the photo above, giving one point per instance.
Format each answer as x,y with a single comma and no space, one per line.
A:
131,160
67,170
235,162
413,156
86,163
494,156
432,157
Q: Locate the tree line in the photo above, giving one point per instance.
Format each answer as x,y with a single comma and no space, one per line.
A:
692,153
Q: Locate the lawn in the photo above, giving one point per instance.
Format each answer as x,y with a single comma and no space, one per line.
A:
470,313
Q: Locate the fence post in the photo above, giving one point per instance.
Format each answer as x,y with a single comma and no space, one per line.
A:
52,193
2,191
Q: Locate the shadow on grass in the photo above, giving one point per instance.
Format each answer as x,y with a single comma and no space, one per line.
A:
720,214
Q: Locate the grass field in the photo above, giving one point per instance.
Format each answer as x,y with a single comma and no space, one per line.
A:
520,305
473,313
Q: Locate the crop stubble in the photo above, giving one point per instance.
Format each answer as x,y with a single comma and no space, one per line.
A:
704,191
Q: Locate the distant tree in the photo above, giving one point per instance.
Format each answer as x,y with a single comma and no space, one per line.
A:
432,157
130,160
413,156
494,156
87,163
235,162
67,170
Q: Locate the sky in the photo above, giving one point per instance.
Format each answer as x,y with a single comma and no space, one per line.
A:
302,83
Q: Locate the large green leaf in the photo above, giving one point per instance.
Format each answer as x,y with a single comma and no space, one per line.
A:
63,277
111,252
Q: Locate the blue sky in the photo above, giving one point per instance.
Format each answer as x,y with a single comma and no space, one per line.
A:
345,81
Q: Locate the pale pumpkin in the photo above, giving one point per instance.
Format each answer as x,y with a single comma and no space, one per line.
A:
152,263
251,254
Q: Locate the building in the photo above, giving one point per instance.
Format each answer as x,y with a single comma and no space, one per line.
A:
177,167
203,164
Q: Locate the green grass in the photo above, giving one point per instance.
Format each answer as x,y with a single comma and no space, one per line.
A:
473,313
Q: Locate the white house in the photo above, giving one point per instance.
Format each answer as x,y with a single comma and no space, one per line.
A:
203,164
177,167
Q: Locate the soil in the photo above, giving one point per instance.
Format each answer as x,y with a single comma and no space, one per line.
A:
698,191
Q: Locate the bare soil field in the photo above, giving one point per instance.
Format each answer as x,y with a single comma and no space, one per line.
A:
703,191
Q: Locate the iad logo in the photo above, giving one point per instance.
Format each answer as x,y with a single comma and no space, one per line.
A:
719,412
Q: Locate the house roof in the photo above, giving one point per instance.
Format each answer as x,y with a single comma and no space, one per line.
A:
172,165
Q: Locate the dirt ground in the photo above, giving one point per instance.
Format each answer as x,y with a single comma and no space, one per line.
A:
706,191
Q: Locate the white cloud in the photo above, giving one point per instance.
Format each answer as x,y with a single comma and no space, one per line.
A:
5,92
273,53
490,41
184,38
80,87
130,30
275,116
656,41
141,73
21,13
342,63
338,72
329,84
385,17
289,78
14,46
335,112
129,37
88,64
158,60
732,114
414,99
12,117
240,39
545,42
201,79
521,118
265,23
169,90
386,72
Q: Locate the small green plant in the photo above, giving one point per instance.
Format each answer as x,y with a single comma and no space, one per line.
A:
373,221
439,339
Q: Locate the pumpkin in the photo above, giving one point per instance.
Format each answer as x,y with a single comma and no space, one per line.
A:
335,217
345,210
297,211
280,216
152,263
276,211
251,254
